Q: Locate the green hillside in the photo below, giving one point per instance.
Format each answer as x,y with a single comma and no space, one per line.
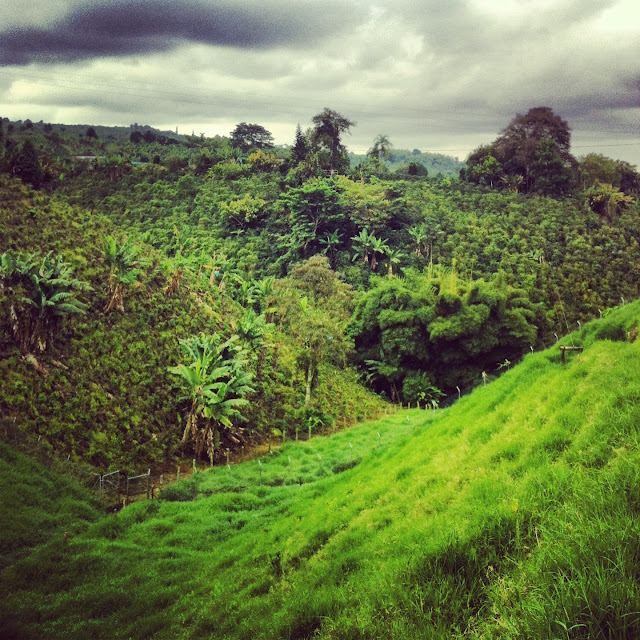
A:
512,514
41,503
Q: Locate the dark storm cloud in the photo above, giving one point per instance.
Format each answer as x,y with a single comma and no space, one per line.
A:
117,28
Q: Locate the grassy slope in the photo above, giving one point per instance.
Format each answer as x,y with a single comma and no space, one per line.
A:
513,514
41,505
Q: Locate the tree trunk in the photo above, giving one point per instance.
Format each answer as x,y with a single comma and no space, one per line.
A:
307,394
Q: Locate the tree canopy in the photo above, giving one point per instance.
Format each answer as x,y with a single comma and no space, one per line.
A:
251,136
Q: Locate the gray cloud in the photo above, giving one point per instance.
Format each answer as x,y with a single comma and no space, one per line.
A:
117,28
435,74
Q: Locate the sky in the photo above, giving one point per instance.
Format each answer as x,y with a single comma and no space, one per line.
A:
438,75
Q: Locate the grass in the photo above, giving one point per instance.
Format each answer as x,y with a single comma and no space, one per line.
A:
40,504
513,514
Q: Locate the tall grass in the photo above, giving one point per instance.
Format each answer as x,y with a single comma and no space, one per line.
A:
512,514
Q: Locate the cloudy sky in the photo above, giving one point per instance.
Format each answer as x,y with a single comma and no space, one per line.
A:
439,75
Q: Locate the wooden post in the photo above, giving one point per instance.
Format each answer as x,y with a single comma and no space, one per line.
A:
178,474
148,482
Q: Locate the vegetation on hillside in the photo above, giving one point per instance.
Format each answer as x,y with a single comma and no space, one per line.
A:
512,514
165,238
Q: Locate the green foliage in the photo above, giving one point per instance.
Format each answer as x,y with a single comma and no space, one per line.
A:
122,260
531,153
25,164
214,384
451,331
512,514
39,293
250,136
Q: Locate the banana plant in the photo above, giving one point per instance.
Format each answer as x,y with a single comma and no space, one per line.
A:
394,256
41,291
124,268
215,383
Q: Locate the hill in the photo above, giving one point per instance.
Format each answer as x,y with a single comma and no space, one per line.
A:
42,504
96,385
512,514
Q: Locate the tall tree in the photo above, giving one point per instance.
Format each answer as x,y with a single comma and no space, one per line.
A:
381,147
251,136
536,146
26,164
328,128
300,149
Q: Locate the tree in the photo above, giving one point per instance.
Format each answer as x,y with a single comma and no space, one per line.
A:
367,246
242,213
450,329
91,133
535,146
596,168
135,137
381,147
26,164
122,260
315,211
518,146
331,241
315,305
550,174
606,200
250,136
301,146
40,292
214,384
394,256
419,235
328,128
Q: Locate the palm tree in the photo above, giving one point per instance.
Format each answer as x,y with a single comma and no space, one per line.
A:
122,260
381,147
40,294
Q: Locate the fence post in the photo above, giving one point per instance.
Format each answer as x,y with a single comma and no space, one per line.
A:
148,482
178,474
127,493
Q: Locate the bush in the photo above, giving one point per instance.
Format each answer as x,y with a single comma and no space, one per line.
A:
180,492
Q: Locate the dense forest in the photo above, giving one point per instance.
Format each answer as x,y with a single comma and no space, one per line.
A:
166,295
